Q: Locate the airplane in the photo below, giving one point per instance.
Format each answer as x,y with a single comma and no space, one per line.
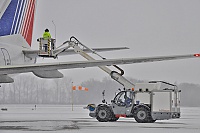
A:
16,28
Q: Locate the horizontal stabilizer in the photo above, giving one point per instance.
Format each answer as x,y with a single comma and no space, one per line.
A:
71,51
34,53
6,79
48,74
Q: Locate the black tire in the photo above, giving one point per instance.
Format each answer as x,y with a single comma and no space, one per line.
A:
103,114
113,118
152,121
142,114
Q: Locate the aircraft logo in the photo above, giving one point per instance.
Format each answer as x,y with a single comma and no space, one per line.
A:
20,20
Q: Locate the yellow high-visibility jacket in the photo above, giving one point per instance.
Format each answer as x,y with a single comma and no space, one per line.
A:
46,35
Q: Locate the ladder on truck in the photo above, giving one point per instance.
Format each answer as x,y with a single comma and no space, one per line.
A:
76,45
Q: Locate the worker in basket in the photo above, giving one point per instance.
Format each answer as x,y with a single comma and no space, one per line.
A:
46,36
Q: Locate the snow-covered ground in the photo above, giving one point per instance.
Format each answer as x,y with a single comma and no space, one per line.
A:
61,119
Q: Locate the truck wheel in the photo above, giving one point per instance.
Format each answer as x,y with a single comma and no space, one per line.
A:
103,114
152,121
143,115
113,118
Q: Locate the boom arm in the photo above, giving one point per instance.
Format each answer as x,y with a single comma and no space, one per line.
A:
114,75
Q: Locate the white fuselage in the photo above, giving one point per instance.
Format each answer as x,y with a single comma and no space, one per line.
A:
13,55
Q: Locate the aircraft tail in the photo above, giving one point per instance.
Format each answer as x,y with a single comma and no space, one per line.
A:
17,18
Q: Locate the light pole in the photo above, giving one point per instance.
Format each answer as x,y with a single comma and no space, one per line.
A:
54,27
72,98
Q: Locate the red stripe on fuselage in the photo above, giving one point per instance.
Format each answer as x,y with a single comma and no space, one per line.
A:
27,27
26,19
30,27
29,18
30,31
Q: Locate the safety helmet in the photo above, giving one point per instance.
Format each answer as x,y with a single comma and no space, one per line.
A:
46,30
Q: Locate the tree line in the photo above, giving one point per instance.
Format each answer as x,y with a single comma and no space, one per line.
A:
28,89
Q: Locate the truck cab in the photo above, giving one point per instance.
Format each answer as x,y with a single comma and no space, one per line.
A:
123,103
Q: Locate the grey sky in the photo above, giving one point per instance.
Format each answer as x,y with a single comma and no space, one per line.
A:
147,27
